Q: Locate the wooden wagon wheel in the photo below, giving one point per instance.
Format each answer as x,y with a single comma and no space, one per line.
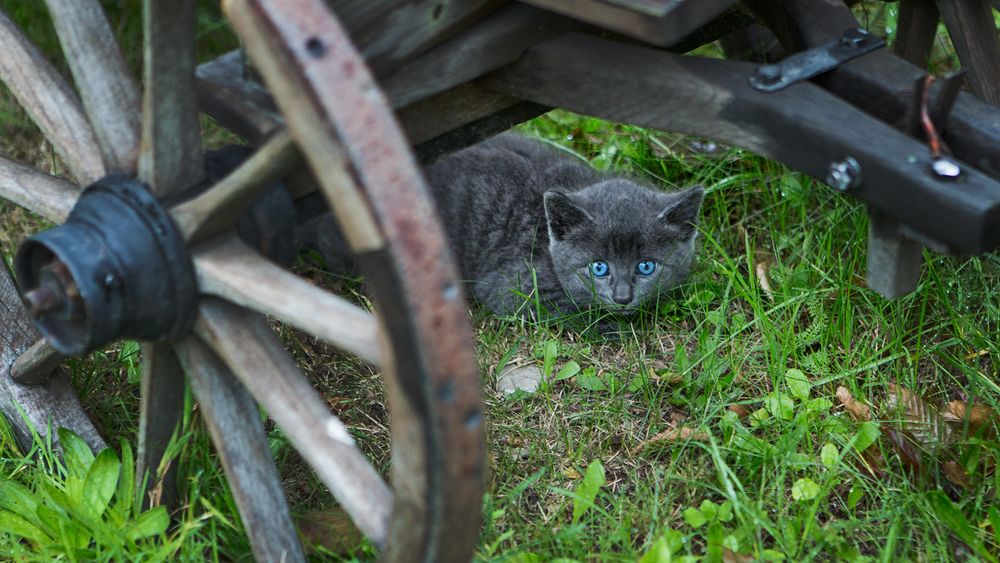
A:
339,123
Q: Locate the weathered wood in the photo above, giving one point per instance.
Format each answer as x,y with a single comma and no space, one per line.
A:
224,203
477,130
36,191
232,270
238,104
916,28
665,25
256,357
236,430
800,126
389,32
34,409
973,31
449,110
160,411
36,364
109,93
170,159
50,101
305,98
484,46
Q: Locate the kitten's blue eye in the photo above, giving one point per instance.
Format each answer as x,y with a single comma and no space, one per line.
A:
599,268
646,267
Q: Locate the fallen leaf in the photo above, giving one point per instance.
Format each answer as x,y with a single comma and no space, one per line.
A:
917,416
730,556
979,416
906,447
740,410
678,434
519,378
761,269
571,473
871,462
858,410
955,473
331,530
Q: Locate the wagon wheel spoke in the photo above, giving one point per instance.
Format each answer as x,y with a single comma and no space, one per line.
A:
170,158
231,270
917,28
223,204
973,31
36,191
50,101
109,93
236,430
255,355
162,402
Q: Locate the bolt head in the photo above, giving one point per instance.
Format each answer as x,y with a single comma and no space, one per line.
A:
769,74
854,37
844,174
945,167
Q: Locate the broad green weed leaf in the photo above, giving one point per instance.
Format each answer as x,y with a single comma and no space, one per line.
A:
76,452
805,489
854,496
780,405
954,519
126,484
549,357
726,511
101,482
569,370
798,384
868,433
829,455
153,522
16,498
13,524
708,509
587,490
589,380
694,517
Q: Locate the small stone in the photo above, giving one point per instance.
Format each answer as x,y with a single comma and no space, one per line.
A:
519,378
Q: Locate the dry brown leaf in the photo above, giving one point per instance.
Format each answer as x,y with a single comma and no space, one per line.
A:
955,473
761,269
906,447
858,410
741,410
871,462
677,434
979,416
917,416
332,530
730,556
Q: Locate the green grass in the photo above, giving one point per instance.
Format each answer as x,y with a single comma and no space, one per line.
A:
577,470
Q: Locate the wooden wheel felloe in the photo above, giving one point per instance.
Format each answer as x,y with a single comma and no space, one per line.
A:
342,126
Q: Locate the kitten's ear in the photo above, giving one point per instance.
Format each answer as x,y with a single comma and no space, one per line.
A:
562,214
682,212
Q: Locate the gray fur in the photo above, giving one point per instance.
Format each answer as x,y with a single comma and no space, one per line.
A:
521,215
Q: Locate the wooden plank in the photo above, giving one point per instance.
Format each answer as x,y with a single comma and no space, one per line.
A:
485,46
916,29
450,110
238,104
160,411
232,270
800,126
109,92
50,101
36,364
36,191
256,357
224,203
677,21
236,430
389,32
973,31
309,115
34,408
170,158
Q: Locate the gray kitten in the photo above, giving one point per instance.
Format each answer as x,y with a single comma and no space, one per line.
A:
527,222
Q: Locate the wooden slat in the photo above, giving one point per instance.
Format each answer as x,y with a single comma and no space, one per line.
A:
233,271
973,31
389,32
236,430
255,355
160,410
107,88
36,191
916,29
36,364
238,104
170,158
50,101
225,202
34,408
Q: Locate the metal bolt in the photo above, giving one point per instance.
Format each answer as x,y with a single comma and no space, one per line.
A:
945,167
768,74
844,174
854,37
43,299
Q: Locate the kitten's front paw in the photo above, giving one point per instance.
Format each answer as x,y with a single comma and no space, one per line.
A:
609,330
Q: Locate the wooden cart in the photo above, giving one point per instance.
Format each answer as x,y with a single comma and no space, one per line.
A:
338,97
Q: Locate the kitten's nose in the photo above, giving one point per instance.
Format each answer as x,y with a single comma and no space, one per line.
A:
622,295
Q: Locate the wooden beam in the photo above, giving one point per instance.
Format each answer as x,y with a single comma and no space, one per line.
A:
916,29
973,31
51,197
36,364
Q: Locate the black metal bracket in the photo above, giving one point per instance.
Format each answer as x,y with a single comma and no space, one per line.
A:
806,64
